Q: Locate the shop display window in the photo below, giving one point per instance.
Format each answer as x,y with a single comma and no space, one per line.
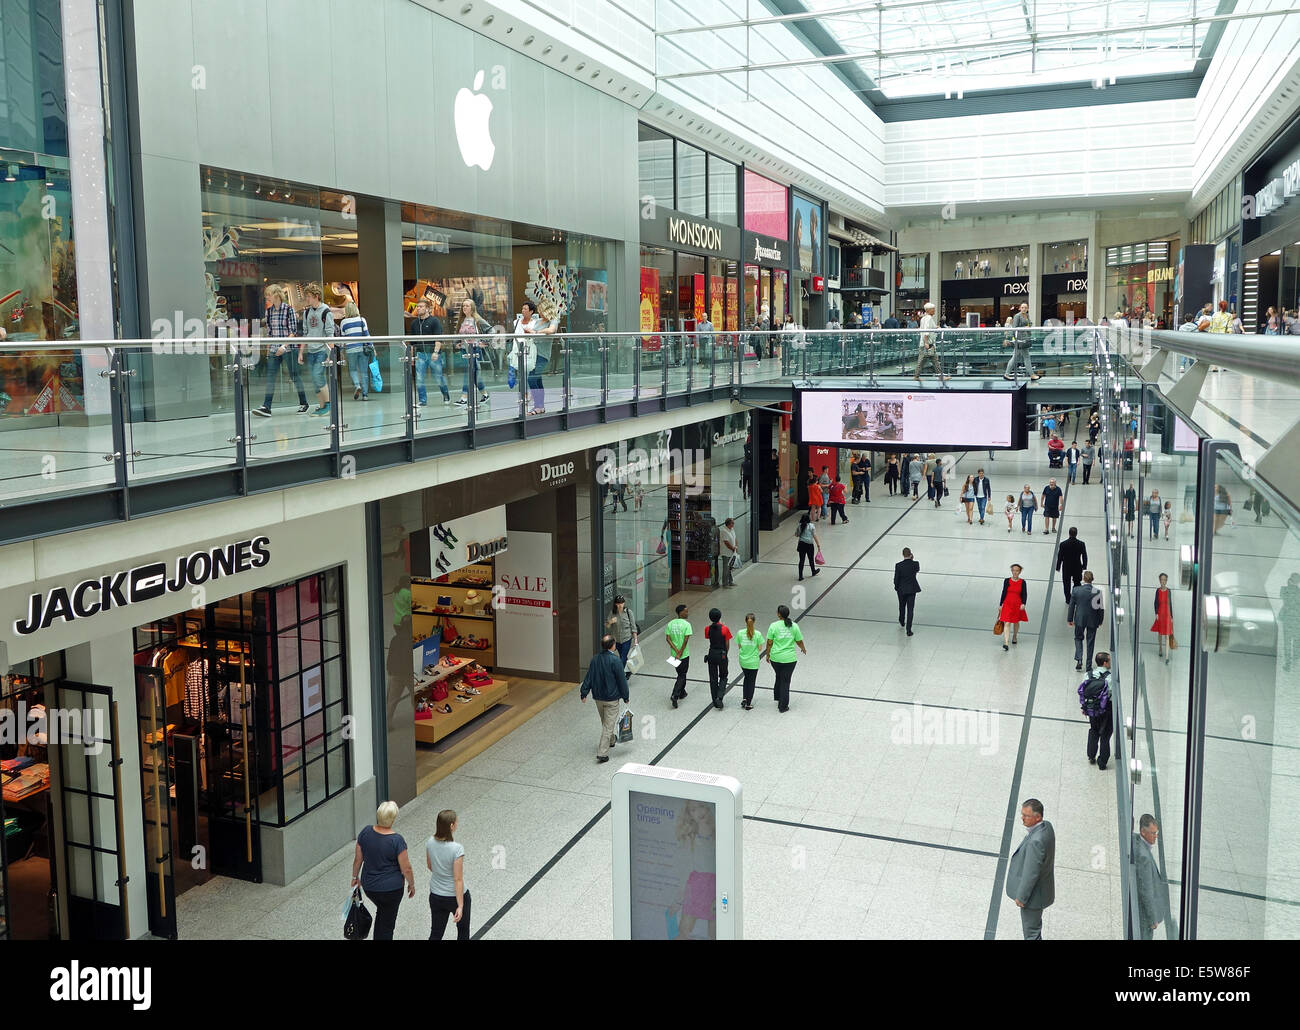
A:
1071,256
995,263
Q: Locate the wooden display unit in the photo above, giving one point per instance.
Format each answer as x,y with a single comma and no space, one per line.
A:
441,724
476,617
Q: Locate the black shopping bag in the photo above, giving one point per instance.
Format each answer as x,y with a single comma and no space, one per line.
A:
625,727
357,925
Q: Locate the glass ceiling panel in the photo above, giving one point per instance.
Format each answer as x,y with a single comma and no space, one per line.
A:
942,47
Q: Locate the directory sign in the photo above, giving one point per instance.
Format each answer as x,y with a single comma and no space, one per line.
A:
677,855
925,419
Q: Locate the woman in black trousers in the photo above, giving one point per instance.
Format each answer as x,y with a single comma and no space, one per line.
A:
719,637
808,543
380,866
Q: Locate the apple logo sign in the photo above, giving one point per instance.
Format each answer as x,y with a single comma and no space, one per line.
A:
473,134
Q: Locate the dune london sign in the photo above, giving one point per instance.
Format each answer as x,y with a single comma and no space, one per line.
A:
91,597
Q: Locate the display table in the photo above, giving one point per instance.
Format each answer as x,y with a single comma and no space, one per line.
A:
441,724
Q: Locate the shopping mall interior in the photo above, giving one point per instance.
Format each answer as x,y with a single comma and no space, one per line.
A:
942,323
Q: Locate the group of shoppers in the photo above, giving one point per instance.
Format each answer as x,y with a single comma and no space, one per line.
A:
381,867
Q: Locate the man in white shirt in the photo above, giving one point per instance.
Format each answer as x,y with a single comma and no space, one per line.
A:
728,552
928,347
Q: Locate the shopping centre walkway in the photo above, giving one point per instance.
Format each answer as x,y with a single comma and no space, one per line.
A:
856,826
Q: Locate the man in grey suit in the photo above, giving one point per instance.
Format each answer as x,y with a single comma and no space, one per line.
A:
1153,890
1086,614
906,586
1030,875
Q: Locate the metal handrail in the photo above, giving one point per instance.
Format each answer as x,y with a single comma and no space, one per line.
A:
1265,357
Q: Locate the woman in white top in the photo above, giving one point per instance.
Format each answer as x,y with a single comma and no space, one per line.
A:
544,323
357,349
447,893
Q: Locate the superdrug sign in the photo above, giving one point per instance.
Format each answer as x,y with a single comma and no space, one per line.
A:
143,583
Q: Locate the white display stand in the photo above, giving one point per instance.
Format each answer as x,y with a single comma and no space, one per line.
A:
676,835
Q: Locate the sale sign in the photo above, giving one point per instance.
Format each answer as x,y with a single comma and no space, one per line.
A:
650,339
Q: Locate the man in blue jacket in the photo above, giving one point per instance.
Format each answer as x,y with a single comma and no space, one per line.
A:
607,683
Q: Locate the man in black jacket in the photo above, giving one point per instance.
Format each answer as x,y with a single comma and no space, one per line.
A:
983,491
606,682
1094,702
1071,560
906,586
429,357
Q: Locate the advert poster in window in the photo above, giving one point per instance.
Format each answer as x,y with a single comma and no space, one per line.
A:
733,303
650,339
715,309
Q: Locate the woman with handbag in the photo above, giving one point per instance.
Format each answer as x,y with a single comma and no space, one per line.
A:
1163,627
357,349
624,627
447,893
1011,607
379,867
719,638
782,638
809,545
749,648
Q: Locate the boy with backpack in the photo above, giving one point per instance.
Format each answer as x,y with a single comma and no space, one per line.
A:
1095,703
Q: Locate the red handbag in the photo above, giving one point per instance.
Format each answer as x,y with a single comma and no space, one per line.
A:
440,690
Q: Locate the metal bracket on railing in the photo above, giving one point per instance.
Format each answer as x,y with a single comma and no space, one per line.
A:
1128,726
109,373
113,457
234,439
1135,769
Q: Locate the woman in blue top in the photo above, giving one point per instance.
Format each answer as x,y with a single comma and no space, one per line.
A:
447,893
356,332
380,866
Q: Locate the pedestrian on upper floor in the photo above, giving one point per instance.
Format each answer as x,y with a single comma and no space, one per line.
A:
1031,881
1052,505
1085,614
678,634
837,500
606,682
448,897
906,587
1095,703
380,865
783,636
357,350
808,545
749,650
1011,607
316,324
928,347
1020,342
719,638
281,326
1071,560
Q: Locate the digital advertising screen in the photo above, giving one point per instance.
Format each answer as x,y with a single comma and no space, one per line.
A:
923,419
1185,439
674,865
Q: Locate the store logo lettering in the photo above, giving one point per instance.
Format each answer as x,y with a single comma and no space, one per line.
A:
473,133
770,253
1022,287
143,583
556,471
485,549
1076,286
694,234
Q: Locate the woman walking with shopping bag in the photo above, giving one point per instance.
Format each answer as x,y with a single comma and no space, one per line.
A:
622,623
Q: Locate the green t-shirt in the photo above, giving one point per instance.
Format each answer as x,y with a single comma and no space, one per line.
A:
782,639
749,650
679,635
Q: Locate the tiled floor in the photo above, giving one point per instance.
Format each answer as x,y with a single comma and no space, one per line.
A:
865,817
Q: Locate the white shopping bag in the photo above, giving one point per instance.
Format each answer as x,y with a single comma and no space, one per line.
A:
635,660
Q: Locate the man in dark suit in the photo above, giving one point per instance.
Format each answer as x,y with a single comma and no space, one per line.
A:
906,586
1153,890
1031,882
1086,614
1071,560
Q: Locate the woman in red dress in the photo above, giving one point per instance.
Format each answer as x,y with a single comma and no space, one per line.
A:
1163,627
1011,608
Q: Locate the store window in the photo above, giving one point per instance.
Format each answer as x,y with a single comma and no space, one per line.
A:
692,169
766,206
1065,257
1140,281
997,263
655,164
724,185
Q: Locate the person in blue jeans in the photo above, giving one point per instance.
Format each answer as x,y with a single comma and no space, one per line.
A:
1028,505
282,325
380,866
1155,508
429,357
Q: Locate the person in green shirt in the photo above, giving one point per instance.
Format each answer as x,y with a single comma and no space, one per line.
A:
782,636
749,649
678,635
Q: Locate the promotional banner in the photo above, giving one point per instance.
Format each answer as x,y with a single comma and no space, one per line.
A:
808,234
467,540
766,212
526,603
674,863
650,339
733,303
948,418
697,287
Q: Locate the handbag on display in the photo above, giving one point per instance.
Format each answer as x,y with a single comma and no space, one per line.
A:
998,628
356,927
625,727
440,691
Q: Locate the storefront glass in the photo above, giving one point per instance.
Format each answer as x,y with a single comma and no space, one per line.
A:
1290,276
985,264
655,161
1140,281
913,281
723,190
692,168
639,552
1071,256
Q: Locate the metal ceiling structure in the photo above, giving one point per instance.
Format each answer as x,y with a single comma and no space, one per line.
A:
902,51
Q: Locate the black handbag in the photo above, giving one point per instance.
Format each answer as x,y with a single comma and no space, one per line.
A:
357,925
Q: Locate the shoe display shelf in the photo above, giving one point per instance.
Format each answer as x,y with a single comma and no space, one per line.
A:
441,724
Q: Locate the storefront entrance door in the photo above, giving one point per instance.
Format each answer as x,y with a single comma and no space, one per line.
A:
88,777
156,800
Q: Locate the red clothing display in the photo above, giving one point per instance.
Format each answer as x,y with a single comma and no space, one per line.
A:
1164,624
1014,595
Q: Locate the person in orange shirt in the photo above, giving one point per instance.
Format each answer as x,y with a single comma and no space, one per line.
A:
815,498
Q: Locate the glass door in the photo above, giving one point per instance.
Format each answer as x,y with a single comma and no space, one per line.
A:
156,797
88,775
231,754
